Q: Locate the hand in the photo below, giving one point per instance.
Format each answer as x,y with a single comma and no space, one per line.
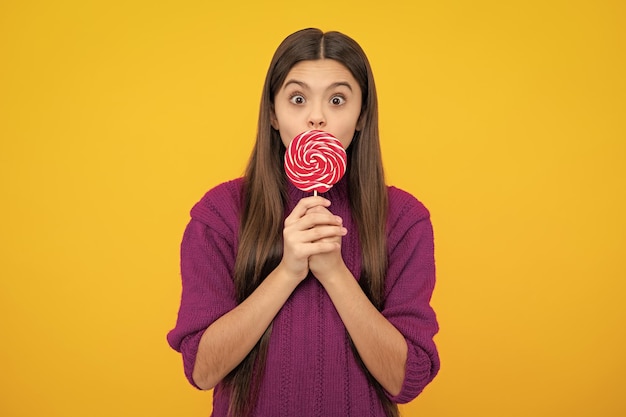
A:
309,230
323,265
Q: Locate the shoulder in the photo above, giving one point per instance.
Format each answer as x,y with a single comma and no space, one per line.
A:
408,224
407,217
220,206
403,206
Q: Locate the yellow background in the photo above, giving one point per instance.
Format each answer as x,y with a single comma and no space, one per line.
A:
507,119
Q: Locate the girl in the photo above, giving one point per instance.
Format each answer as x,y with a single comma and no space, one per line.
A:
299,305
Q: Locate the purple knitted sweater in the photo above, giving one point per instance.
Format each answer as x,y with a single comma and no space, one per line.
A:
310,369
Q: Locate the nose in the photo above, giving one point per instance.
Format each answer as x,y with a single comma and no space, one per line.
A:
317,123
316,119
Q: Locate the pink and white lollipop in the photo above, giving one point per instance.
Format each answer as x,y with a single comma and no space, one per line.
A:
315,161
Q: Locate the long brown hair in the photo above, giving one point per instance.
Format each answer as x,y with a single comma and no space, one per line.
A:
260,238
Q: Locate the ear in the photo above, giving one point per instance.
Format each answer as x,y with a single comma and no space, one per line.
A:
274,120
360,123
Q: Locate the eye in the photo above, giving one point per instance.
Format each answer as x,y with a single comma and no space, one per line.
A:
337,100
297,98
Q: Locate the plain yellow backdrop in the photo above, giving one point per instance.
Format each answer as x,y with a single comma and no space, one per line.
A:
507,119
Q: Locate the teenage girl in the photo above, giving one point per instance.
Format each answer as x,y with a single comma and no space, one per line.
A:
300,305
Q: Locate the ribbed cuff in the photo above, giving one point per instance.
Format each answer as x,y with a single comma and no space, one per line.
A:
417,376
189,350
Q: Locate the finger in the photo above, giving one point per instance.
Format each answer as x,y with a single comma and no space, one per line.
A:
321,233
323,210
305,204
320,247
336,239
311,220
319,209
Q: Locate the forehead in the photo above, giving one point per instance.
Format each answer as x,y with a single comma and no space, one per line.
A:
321,73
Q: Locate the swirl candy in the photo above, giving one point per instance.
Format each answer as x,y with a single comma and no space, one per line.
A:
315,161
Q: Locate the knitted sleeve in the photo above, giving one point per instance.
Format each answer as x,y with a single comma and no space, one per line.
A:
207,258
409,286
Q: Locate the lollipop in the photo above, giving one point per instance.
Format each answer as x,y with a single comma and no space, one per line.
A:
315,161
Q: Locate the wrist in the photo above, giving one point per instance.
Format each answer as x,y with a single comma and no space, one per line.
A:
286,276
335,276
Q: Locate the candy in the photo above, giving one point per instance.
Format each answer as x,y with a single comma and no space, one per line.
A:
315,161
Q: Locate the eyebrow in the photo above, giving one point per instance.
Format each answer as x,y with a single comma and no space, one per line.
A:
330,87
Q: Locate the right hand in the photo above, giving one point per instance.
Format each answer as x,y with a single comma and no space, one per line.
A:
305,234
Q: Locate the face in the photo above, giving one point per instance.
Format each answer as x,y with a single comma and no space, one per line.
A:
322,95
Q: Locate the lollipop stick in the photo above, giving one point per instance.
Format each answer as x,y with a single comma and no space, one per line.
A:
314,193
